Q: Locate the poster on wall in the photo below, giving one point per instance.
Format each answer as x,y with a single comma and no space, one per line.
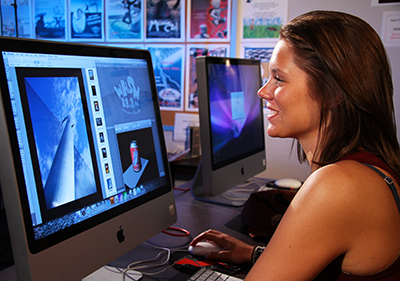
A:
168,72
20,28
391,28
124,20
50,19
193,51
165,20
8,24
86,20
209,20
262,20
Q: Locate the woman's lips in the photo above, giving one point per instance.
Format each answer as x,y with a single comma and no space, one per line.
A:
272,113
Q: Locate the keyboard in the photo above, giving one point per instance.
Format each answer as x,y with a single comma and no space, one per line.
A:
204,274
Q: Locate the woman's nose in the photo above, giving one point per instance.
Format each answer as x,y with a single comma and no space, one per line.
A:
265,91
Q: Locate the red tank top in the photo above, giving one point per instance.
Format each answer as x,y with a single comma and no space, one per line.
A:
392,272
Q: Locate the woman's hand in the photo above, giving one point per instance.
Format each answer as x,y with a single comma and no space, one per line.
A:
233,250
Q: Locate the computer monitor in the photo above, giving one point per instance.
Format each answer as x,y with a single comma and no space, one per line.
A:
84,169
231,128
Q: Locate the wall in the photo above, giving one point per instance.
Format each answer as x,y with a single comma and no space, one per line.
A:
279,161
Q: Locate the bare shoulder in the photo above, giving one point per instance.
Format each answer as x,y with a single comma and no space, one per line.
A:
349,185
361,210
346,178
353,204
336,183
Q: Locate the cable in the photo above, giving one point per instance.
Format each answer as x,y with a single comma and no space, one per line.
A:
183,234
119,271
136,265
234,198
260,182
141,265
251,181
238,189
182,189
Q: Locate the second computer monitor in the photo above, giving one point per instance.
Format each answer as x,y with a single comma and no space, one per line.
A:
231,125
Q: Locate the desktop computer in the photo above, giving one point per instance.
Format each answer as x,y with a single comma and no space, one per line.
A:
84,170
231,128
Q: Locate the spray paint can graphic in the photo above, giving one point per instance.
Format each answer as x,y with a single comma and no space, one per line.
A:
137,166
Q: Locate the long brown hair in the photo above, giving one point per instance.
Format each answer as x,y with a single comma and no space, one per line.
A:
349,75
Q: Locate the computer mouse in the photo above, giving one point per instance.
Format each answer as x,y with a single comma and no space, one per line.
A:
288,183
204,248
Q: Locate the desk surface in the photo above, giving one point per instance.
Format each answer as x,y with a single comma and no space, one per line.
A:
194,216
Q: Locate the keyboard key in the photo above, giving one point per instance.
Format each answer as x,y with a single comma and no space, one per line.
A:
204,274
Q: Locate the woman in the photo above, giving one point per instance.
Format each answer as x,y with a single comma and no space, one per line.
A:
330,88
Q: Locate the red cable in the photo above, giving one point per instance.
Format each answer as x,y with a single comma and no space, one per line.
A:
182,189
184,231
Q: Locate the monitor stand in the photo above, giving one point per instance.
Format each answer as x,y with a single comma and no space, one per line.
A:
234,196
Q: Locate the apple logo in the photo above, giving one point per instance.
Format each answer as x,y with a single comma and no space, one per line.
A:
120,235
242,171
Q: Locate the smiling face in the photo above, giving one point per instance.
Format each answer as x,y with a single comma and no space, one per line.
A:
293,113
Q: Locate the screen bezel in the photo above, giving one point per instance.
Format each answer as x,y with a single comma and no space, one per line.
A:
48,47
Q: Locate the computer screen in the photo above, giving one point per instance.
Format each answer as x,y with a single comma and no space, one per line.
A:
231,126
84,168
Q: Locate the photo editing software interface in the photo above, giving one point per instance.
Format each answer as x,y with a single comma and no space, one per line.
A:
87,135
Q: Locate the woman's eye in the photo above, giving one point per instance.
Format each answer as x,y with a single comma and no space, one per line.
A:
277,79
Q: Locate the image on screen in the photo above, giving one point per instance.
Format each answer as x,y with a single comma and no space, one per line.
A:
62,181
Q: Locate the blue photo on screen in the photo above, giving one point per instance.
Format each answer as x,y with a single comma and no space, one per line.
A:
64,158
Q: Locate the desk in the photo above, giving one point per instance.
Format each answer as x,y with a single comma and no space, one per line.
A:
194,216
